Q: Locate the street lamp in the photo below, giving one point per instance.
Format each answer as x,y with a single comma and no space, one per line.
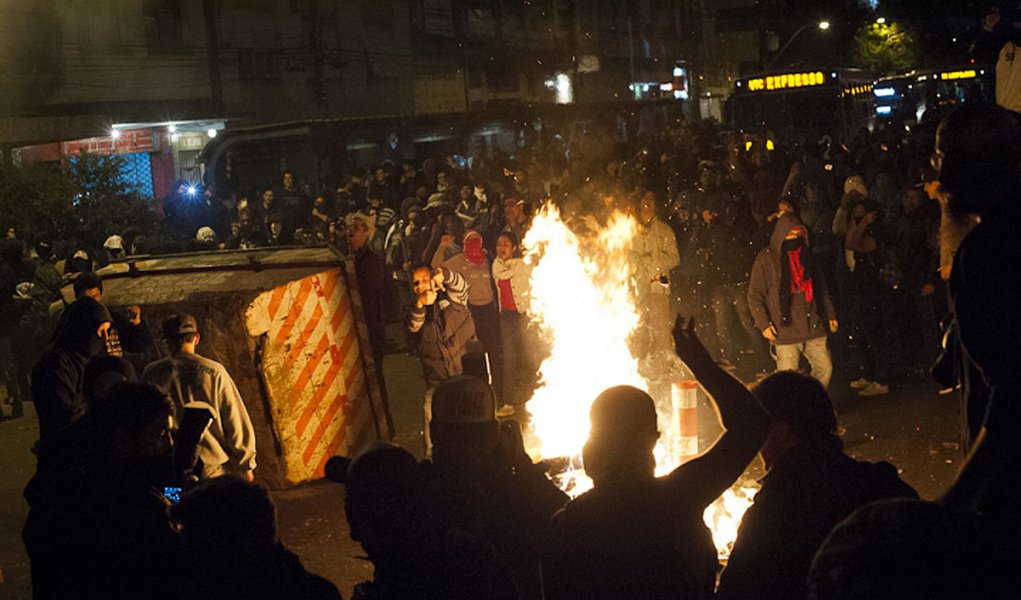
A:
822,25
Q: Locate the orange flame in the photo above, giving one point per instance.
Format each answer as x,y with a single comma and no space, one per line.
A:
583,302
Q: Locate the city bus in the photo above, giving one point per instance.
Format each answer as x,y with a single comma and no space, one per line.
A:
807,103
904,98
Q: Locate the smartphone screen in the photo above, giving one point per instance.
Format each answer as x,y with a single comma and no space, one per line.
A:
173,494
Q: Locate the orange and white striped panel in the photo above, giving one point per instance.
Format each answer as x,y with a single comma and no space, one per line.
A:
313,371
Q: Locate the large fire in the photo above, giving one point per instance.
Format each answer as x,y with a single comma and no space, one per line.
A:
583,303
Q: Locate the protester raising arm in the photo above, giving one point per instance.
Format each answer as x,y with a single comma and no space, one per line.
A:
745,422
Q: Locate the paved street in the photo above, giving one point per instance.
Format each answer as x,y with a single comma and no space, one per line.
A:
913,427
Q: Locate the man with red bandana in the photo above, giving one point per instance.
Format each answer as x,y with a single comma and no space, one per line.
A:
473,264
789,301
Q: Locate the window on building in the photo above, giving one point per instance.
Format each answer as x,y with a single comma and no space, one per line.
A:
254,65
163,31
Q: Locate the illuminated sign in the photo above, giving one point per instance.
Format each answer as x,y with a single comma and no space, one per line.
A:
884,110
951,75
786,81
884,92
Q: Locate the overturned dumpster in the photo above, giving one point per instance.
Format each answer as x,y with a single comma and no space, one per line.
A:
288,326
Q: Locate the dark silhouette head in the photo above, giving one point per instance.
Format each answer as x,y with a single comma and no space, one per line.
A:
800,411
84,326
102,372
386,501
129,426
227,516
88,284
463,422
622,437
978,150
907,550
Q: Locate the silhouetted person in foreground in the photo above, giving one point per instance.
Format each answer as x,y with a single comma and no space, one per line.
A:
910,550
635,535
810,486
101,529
483,482
67,450
228,527
390,513
978,148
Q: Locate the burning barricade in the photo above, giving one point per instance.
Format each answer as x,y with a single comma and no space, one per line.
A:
584,304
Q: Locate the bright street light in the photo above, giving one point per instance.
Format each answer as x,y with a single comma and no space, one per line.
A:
823,25
881,21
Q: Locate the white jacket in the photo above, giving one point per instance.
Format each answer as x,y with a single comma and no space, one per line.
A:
518,272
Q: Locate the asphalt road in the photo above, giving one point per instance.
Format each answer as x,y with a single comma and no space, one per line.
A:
913,427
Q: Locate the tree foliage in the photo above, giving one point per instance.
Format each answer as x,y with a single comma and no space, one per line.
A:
885,48
83,201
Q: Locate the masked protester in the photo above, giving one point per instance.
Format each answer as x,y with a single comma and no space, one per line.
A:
58,375
789,301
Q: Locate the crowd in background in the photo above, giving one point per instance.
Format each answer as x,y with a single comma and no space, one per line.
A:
783,248
865,212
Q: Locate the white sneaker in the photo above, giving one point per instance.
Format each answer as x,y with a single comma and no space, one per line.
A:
874,389
860,384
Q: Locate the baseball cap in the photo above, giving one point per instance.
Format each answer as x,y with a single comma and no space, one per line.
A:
463,399
178,325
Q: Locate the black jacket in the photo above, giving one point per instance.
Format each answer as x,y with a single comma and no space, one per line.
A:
809,491
57,376
95,534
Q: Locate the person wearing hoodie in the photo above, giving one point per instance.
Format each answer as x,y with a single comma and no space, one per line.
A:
789,301
58,375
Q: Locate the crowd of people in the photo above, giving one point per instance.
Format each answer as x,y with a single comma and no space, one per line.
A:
708,203
807,249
